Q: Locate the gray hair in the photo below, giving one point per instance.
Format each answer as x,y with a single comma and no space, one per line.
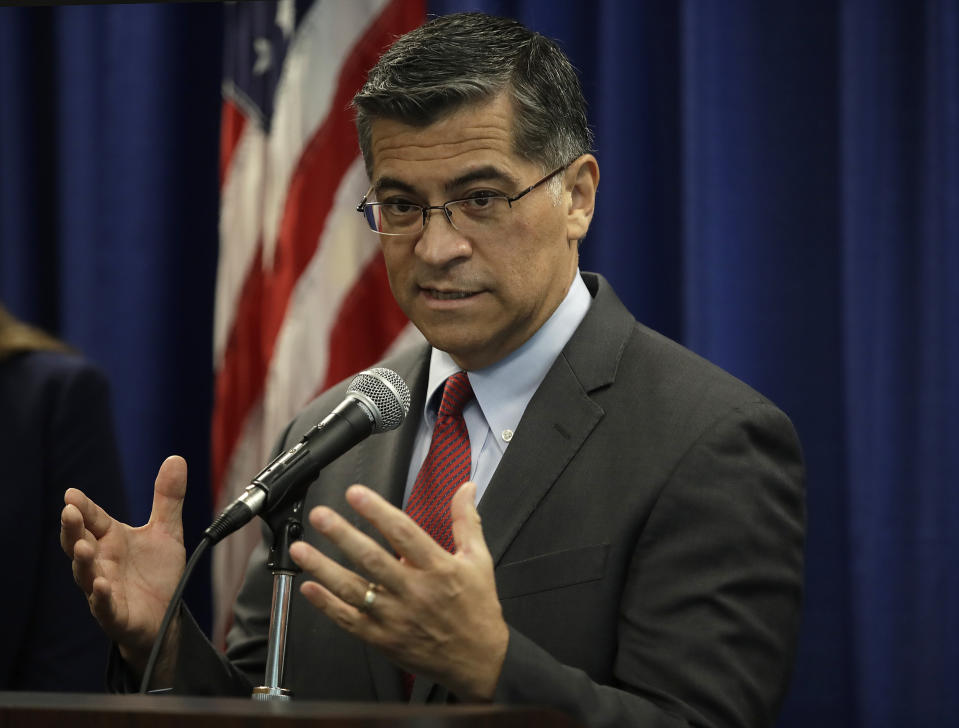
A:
466,58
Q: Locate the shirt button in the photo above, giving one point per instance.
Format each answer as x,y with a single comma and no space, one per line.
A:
507,435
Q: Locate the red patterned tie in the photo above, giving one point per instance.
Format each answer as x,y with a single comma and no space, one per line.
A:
447,464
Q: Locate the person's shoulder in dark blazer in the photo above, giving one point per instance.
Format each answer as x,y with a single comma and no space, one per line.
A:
56,432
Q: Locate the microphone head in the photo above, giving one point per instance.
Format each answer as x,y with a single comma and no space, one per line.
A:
385,395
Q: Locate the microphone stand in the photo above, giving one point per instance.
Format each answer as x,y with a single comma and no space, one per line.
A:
287,528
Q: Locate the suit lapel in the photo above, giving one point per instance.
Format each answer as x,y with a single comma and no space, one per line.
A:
558,419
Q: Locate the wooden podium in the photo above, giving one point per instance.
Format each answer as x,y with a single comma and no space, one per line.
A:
75,710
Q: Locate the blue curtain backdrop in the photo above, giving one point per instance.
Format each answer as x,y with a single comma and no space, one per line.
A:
780,192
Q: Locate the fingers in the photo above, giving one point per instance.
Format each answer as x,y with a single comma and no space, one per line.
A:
84,568
71,529
403,534
340,593
82,522
169,490
94,518
101,601
353,612
467,529
360,621
430,611
377,564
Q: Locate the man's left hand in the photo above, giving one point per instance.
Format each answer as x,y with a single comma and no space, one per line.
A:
431,612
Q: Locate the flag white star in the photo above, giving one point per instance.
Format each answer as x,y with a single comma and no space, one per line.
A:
264,56
286,17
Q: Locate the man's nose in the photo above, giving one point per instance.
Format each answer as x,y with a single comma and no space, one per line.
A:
440,242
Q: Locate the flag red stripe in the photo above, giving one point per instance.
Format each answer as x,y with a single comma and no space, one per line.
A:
265,295
325,160
240,383
370,311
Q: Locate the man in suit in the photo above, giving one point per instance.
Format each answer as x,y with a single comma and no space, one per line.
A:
629,547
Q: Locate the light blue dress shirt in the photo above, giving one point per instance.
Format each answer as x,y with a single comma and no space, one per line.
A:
501,391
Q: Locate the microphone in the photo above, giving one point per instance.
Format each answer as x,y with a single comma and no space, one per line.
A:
377,400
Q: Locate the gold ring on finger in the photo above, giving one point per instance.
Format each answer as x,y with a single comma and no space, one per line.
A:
369,598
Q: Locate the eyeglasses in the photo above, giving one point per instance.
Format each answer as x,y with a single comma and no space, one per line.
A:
481,212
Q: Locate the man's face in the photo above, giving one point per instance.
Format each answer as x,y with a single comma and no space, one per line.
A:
477,296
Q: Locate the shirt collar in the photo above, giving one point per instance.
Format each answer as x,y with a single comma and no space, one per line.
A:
504,389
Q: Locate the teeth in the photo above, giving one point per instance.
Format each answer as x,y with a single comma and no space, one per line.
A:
449,295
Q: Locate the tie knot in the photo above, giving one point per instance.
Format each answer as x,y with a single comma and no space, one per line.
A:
456,393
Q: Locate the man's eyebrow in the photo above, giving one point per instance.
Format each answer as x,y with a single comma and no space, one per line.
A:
488,173
394,184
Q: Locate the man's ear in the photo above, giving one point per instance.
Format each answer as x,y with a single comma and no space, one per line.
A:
582,179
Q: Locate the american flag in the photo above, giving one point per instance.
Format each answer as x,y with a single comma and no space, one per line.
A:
302,298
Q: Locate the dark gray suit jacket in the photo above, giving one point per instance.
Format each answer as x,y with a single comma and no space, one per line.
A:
646,523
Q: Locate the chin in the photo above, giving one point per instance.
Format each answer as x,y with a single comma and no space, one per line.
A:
458,347
454,346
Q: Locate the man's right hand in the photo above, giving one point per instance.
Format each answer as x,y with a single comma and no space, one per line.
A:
129,574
